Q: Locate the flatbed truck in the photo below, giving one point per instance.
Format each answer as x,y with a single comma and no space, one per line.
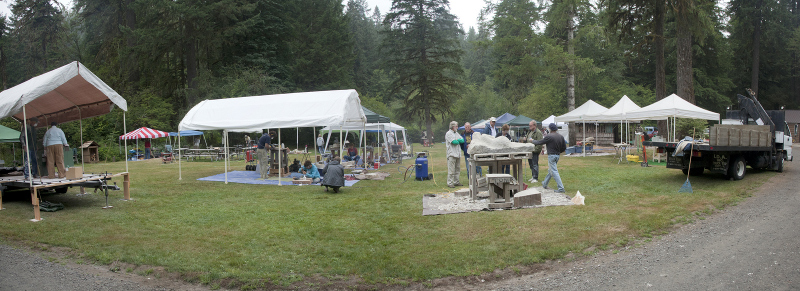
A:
757,138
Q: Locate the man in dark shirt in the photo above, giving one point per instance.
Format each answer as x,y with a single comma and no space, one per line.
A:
263,155
555,144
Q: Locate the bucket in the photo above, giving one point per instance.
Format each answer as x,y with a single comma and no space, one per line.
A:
377,165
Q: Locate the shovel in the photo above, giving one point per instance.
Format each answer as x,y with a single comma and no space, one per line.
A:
687,187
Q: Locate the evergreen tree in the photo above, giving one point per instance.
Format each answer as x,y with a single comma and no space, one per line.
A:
37,25
517,48
320,44
422,44
365,46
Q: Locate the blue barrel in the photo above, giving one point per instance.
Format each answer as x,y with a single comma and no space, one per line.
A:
421,168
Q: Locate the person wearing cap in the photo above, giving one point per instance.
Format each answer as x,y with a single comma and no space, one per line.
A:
491,128
29,143
453,141
534,134
262,148
556,145
54,142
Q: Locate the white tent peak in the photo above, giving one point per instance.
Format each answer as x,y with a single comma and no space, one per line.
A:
579,114
672,106
617,112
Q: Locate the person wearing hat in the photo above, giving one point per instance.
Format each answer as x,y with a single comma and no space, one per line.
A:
556,145
534,134
262,148
453,141
491,128
54,142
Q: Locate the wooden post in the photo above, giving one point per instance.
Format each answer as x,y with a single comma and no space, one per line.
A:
1,200
126,186
35,202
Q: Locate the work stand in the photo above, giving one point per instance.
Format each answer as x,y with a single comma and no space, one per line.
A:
500,185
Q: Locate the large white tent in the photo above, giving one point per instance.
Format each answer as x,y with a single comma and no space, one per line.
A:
618,112
672,106
336,108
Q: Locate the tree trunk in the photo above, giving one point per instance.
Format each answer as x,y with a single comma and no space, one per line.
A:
661,76
571,74
685,77
756,46
130,23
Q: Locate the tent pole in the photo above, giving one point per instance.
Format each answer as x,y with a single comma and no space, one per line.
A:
298,138
27,150
584,138
327,141
125,129
225,148
280,158
179,154
364,146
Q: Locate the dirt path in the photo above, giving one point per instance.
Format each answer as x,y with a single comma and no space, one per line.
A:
752,246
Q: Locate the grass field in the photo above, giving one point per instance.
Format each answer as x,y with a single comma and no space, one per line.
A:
257,235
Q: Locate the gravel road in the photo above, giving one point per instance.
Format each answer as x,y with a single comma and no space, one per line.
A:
751,246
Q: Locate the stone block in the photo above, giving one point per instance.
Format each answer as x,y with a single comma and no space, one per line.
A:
527,198
301,181
462,192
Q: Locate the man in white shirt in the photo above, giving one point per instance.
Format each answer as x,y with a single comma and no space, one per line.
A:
320,144
54,142
453,143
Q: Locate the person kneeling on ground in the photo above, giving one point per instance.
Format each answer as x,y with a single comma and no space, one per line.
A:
309,170
334,175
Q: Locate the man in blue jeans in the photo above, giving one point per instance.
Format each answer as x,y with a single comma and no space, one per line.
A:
555,144
467,136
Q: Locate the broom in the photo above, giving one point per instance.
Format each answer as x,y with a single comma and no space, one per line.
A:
687,187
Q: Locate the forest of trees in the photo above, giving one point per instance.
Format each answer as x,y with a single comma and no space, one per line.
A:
414,63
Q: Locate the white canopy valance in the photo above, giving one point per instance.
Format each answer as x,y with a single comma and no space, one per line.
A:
671,106
580,113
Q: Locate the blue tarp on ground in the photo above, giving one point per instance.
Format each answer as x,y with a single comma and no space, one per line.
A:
253,177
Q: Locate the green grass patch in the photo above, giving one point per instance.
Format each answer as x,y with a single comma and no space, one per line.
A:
260,235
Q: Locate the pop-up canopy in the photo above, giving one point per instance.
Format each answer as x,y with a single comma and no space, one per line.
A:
144,132
68,93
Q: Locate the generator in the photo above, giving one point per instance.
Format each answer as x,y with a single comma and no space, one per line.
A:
421,167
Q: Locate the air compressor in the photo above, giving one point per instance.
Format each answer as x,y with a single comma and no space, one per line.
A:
421,167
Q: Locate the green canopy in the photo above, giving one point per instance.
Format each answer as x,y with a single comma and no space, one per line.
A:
520,120
8,135
373,117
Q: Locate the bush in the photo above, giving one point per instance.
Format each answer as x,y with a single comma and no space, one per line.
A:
684,127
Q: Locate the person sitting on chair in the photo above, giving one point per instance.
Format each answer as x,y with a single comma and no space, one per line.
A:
309,170
334,175
352,153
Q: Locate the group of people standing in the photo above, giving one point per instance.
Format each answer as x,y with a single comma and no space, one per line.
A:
458,144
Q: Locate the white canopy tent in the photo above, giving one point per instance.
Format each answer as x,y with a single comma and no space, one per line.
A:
308,109
672,106
581,114
382,128
68,93
618,112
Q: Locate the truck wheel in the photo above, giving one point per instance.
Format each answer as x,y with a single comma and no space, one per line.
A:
737,169
780,163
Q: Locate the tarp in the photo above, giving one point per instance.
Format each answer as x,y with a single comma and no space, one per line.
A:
580,113
520,120
68,93
672,106
8,135
187,133
617,112
144,132
373,117
502,119
307,109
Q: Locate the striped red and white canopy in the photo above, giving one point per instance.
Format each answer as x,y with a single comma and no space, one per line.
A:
144,132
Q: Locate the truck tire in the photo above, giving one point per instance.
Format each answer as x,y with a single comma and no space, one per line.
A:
737,169
780,163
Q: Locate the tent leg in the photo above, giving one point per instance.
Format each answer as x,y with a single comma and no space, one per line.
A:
280,159
180,177
225,148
